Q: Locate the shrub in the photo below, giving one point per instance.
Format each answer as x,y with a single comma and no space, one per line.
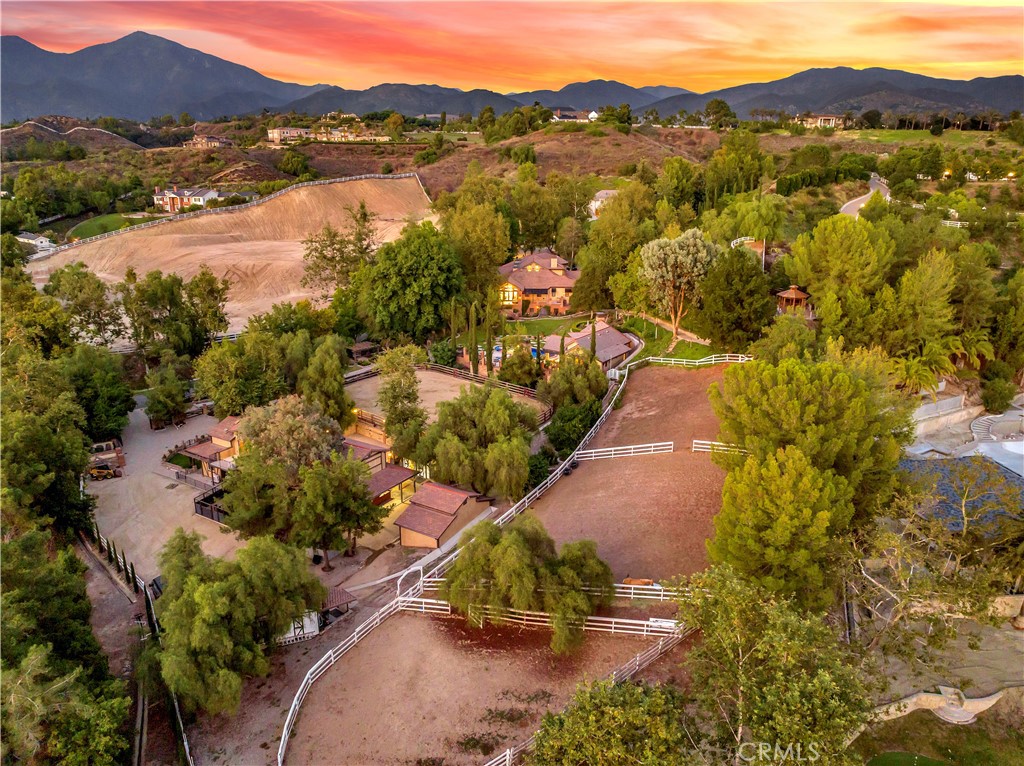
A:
443,353
387,168
996,395
538,469
997,369
571,423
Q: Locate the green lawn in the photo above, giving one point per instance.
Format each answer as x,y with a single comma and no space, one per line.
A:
993,740
101,224
657,339
950,137
179,460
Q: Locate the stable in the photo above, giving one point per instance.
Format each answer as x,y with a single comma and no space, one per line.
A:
435,514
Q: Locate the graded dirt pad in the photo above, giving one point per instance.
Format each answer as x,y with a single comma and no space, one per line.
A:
649,514
258,249
425,688
435,387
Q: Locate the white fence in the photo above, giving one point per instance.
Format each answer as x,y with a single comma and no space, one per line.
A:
656,448
445,563
699,445
620,590
740,241
219,210
956,224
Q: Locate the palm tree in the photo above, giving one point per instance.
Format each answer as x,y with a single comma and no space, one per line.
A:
971,347
912,375
959,119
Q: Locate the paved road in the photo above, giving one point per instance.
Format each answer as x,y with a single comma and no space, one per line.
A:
853,206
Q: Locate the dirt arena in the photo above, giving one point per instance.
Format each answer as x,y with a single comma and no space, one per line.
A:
258,249
649,514
422,689
435,387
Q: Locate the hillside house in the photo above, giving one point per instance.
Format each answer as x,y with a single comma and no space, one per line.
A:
435,514
38,241
569,115
613,347
174,199
535,282
600,199
821,120
286,135
208,142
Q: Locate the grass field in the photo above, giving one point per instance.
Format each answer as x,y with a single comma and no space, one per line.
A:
101,224
994,739
657,340
960,138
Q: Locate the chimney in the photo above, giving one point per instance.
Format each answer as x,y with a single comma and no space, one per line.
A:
156,191
175,188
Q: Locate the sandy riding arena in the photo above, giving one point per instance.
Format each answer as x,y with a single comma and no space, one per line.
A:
258,249
435,387
425,690
649,514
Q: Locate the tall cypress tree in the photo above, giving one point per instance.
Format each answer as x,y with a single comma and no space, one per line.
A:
474,355
593,339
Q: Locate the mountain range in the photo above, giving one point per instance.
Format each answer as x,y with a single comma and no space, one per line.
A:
141,76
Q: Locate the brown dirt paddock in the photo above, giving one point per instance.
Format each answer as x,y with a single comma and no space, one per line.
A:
649,514
420,687
435,387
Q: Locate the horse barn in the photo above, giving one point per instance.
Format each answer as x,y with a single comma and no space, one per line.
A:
436,513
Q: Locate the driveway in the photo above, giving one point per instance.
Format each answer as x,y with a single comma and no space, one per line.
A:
140,511
852,208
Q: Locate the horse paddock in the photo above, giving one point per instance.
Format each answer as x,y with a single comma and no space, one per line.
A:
649,514
427,689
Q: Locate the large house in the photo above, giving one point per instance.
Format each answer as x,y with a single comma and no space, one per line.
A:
535,282
174,199
350,132
613,347
284,135
821,120
207,142
38,241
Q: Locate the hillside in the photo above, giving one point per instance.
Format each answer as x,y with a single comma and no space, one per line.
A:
56,128
258,249
408,99
138,76
841,88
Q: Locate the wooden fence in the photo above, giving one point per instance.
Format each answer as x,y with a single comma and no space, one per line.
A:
656,448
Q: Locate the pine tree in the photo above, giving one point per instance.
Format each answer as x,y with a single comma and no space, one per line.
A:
135,579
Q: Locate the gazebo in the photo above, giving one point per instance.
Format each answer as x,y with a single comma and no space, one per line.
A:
792,298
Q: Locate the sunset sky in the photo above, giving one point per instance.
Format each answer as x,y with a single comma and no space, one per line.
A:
514,46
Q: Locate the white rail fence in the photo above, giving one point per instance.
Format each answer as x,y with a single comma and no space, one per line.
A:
956,224
620,590
219,210
699,445
442,566
655,448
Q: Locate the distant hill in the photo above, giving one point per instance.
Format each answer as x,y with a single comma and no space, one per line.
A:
596,93
843,89
408,99
138,76
74,132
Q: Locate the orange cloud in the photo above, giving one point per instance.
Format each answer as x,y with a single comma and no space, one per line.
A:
520,45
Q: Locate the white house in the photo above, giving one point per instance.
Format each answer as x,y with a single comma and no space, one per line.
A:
174,199
38,241
593,116
599,199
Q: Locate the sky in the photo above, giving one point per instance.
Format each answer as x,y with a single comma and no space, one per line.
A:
515,45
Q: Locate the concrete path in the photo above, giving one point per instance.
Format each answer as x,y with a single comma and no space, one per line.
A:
852,208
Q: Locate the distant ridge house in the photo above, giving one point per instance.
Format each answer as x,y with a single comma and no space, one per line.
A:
821,120
287,135
561,114
599,200
537,282
208,142
613,347
352,131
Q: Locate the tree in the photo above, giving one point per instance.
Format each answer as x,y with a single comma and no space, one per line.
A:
335,504
98,380
766,673
938,555
570,424
222,619
414,278
399,398
331,257
841,414
780,525
293,432
92,314
239,374
517,567
673,268
466,443
394,124
479,235
574,381
323,380
608,723
13,256
519,367
166,399
736,301
570,238
789,337
718,114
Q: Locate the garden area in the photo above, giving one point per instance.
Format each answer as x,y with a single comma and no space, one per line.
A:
102,224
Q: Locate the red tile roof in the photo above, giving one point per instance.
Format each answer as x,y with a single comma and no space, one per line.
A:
440,497
204,450
426,521
226,429
338,596
388,477
544,280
